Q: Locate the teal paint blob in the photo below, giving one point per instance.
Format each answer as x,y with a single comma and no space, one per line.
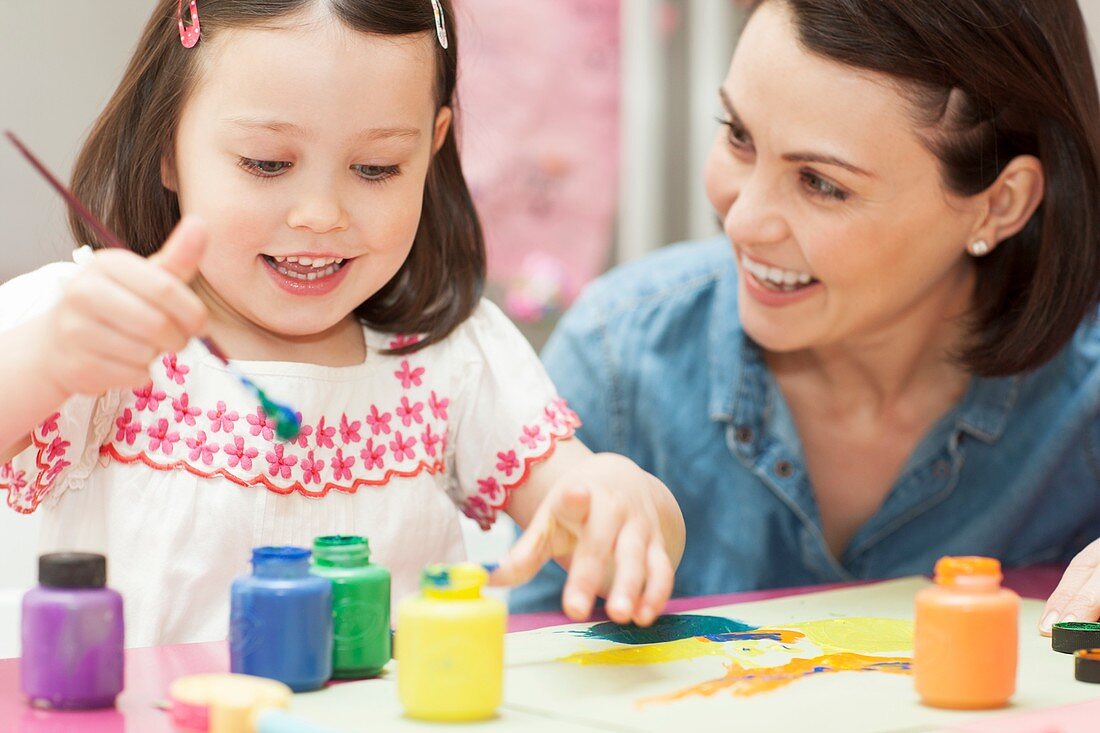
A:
670,627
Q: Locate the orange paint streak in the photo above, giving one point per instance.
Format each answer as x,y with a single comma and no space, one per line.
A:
745,682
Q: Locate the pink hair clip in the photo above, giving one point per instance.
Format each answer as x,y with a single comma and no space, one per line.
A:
189,34
440,24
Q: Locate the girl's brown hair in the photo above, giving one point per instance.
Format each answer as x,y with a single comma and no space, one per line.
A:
991,80
118,171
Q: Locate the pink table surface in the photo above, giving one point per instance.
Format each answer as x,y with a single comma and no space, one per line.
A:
150,670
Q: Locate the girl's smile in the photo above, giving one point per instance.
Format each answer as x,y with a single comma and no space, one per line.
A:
307,274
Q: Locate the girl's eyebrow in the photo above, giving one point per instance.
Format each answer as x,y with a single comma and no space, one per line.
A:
289,128
797,157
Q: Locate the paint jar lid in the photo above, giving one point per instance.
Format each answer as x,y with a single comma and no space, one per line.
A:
1069,636
72,570
199,700
1086,665
280,562
462,581
341,551
968,570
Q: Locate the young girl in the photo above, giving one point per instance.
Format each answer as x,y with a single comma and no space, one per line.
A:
330,246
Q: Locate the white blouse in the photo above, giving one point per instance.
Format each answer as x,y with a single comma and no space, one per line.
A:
177,481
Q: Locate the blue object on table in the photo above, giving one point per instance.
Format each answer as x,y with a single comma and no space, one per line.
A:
281,620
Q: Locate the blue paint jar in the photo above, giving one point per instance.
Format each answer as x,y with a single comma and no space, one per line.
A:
281,620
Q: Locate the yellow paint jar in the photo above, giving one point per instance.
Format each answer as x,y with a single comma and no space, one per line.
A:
449,646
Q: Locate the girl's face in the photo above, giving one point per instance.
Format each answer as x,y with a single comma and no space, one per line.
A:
823,184
305,148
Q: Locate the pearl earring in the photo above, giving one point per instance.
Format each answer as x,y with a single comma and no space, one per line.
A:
979,248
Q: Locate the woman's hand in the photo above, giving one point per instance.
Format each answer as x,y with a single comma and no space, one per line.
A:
615,528
1077,597
122,310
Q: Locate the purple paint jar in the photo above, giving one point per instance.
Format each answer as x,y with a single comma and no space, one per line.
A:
72,634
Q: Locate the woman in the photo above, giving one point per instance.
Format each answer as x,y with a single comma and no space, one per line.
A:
893,353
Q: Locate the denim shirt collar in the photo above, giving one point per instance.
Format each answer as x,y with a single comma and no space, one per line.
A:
739,386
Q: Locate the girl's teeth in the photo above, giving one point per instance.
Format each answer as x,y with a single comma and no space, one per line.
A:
318,263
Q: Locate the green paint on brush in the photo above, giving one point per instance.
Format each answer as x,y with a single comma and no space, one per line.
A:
287,424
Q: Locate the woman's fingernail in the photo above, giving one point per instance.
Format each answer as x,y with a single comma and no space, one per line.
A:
1048,621
491,567
1069,618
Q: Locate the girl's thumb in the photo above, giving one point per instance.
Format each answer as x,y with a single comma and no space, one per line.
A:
182,251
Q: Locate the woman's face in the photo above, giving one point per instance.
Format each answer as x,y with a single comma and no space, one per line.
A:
824,185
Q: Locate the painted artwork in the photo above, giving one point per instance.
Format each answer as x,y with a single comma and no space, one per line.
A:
757,659
831,662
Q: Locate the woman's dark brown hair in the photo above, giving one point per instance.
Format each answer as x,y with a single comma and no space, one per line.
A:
991,80
118,172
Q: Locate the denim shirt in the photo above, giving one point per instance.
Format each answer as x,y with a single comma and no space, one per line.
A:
654,360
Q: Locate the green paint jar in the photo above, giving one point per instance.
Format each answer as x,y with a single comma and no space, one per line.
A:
360,605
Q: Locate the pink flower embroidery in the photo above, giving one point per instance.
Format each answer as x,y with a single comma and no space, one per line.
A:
553,418
372,456
403,340
508,462
439,406
261,423
221,419
239,454
201,450
161,438
563,408
57,448
148,396
409,413
349,432
184,411
532,434
476,508
341,467
378,423
324,435
409,376
53,473
402,449
19,481
128,428
303,433
174,370
428,439
311,469
489,487
50,425
280,464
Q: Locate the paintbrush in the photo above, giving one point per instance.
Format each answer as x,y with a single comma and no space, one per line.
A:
287,423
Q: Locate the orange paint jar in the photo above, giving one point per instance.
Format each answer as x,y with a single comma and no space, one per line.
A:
966,636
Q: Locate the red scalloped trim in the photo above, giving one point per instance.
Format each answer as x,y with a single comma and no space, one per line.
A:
38,489
260,479
486,518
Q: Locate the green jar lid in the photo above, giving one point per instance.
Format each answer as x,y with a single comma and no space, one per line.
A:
341,551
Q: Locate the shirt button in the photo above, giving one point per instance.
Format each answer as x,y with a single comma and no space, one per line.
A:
743,434
941,469
785,469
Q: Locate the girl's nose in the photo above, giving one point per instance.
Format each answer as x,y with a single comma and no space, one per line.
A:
319,211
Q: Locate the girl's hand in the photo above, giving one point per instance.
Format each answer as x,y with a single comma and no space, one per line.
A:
1077,597
606,520
122,310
